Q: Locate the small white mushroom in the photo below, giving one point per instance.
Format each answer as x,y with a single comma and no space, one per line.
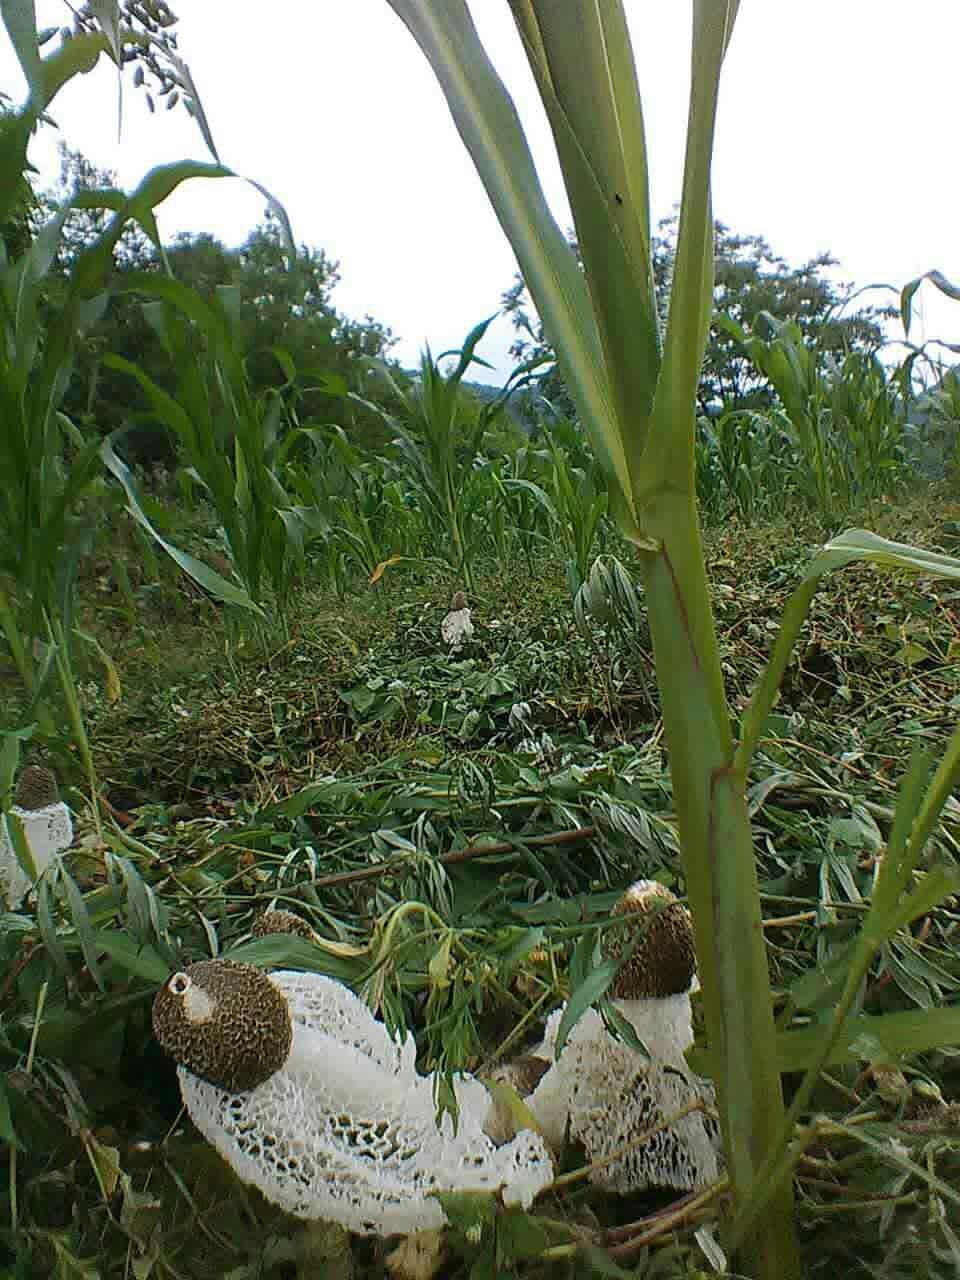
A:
47,828
335,1122
456,628
604,1094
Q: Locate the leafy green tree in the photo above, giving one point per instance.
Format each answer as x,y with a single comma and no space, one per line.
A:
290,333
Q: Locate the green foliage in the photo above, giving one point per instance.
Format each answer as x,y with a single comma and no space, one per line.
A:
750,279
276,788
843,425
438,441
233,440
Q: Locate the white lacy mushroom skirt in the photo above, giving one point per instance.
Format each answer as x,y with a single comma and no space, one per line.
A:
346,1130
605,1095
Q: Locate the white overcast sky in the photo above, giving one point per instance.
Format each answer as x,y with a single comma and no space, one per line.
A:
837,131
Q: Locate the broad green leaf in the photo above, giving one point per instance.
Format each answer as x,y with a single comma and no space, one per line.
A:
20,20
142,961
588,992
81,923
860,545
669,453
211,581
469,1211
581,57
487,121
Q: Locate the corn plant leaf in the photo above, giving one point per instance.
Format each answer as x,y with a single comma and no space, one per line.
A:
850,547
581,57
487,121
84,929
20,20
669,453
201,573
138,206
907,294
860,545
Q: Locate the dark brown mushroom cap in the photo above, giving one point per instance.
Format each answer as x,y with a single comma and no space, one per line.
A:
523,1073
281,922
224,1021
664,960
458,602
36,788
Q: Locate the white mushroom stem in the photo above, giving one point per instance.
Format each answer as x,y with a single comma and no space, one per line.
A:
664,1026
47,831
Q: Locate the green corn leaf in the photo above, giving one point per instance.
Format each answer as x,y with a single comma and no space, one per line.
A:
83,927
20,20
669,455
907,293
490,128
587,993
581,57
211,581
850,547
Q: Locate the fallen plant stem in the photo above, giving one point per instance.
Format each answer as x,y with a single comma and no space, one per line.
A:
670,1221
456,855
783,922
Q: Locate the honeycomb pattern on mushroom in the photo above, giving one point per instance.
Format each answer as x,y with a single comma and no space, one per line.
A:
664,961
225,1022
346,1129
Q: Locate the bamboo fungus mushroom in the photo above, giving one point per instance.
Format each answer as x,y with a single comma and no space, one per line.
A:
604,1094
456,628
47,829
338,1125
280,921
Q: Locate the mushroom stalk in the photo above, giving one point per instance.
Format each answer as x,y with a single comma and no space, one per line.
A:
605,1094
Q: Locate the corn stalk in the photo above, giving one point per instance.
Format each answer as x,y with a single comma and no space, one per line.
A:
635,392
